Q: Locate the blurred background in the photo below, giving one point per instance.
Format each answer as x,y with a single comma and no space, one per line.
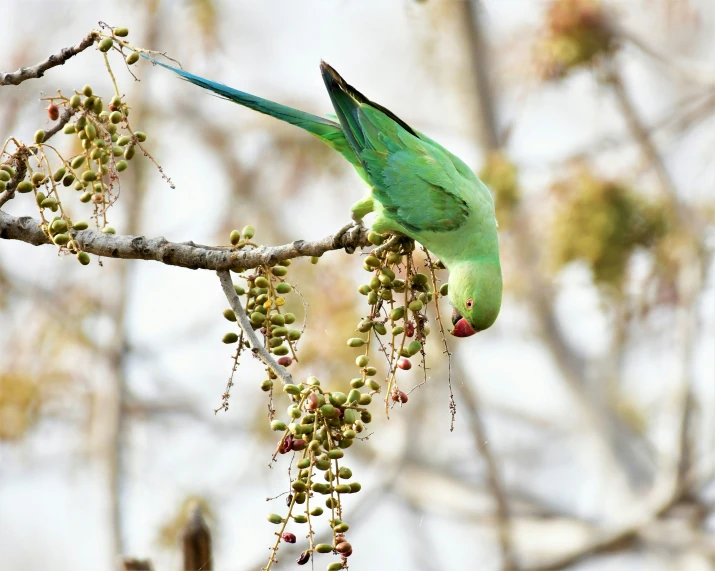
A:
585,426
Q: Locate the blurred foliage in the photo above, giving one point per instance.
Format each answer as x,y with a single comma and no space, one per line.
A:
576,33
602,223
20,404
170,532
501,176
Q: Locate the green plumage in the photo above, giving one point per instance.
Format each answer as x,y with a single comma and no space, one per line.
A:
417,188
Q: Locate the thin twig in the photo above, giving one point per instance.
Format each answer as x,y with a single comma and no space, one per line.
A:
17,159
185,254
38,70
245,324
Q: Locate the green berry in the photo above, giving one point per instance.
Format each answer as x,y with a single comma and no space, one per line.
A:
83,258
75,101
372,261
38,178
275,518
91,131
335,454
323,547
314,259
248,232
292,389
61,239
349,416
123,141
86,197
416,305
229,314
362,361
39,136
327,410
316,511
289,318
279,271
266,385
5,176
122,166
230,338
141,136
278,425
375,238
356,342
129,152
132,58
283,288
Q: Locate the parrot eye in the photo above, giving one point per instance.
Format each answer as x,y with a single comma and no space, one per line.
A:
469,303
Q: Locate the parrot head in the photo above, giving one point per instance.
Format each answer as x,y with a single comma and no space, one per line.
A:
475,290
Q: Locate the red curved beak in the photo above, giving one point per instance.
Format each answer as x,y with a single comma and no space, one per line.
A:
462,329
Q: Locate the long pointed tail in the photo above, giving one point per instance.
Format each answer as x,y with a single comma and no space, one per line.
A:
319,126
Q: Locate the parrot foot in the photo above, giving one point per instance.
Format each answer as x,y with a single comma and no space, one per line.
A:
351,228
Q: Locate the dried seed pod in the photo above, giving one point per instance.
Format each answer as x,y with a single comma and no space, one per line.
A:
343,546
399,396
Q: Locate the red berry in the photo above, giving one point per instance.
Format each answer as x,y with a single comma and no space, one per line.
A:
313,401
410,329
404,363
304,558
298,445
287,444
399,396
288,537
53,112
285,361
343,547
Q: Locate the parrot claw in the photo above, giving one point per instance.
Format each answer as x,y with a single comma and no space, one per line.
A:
350,228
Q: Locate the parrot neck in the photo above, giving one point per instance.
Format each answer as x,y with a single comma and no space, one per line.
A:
481,281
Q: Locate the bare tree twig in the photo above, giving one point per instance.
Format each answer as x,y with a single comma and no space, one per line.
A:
494,483
17,159
185,254
245,324
38,70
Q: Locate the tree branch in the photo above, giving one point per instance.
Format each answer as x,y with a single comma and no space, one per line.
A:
38,70
185,254
17,159
245,324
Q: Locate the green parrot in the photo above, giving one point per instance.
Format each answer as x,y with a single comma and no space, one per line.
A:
417,188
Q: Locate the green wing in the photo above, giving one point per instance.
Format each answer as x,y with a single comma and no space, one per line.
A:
421,186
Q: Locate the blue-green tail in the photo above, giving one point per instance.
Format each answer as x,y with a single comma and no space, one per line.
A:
330,132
